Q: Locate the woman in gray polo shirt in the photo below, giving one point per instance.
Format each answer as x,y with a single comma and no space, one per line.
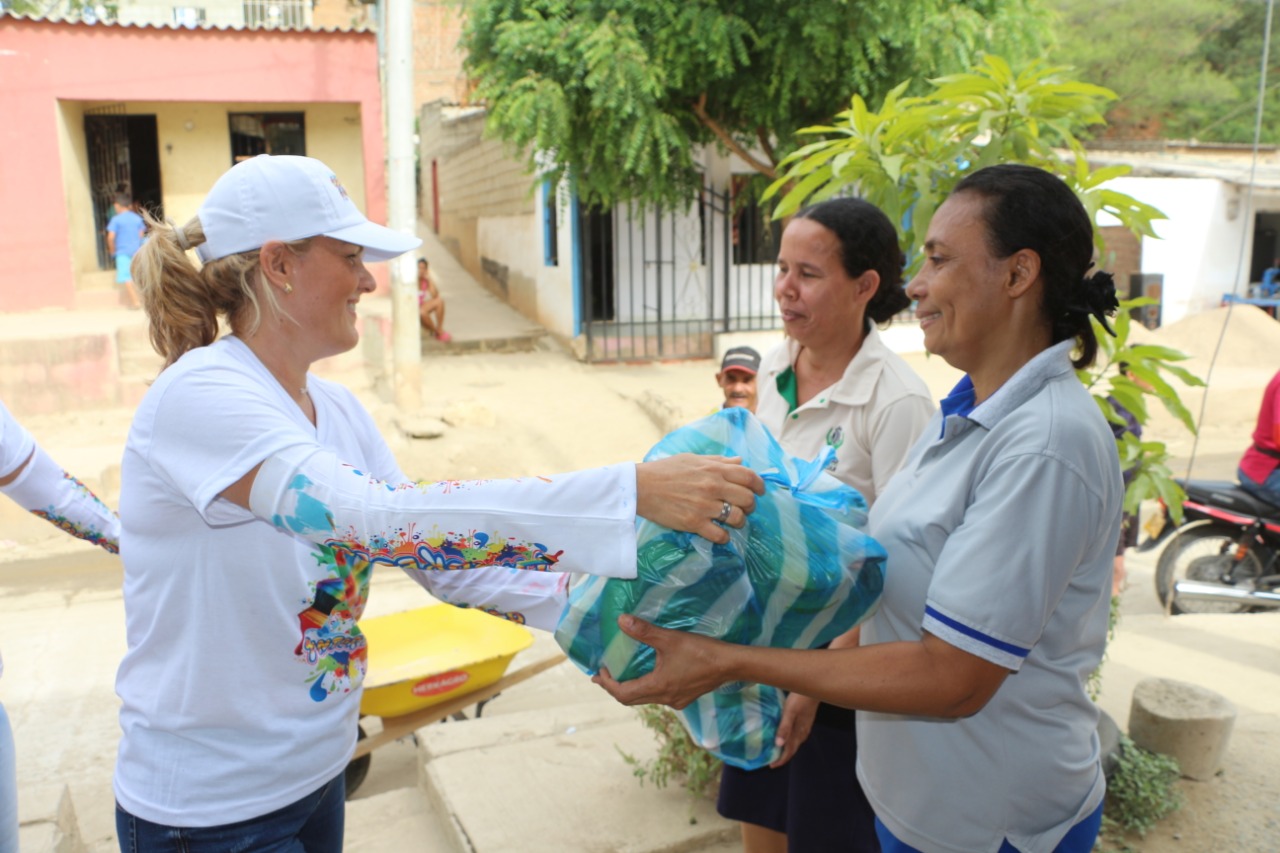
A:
1000,528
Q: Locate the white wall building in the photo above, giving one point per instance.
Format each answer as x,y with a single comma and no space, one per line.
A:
1223,226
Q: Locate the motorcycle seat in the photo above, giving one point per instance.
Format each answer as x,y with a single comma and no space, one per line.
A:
1227,494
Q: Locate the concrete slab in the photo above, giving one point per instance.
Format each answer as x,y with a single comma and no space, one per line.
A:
394,821
555,781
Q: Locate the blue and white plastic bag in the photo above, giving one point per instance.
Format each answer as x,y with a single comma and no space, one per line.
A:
800,573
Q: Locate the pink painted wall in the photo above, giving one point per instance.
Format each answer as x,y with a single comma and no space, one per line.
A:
42,62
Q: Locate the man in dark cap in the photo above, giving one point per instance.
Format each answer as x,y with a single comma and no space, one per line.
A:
737,377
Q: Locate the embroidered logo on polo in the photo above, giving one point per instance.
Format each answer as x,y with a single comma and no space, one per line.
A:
835,438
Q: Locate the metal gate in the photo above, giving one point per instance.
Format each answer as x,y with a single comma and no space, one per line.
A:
660,284
106,135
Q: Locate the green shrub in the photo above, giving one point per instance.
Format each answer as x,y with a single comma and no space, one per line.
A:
679,758
1141,791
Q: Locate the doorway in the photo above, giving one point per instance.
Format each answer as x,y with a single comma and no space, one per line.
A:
124,157
597,261
1266,246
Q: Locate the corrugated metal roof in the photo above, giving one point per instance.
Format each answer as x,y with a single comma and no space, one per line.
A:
1232,163
75,22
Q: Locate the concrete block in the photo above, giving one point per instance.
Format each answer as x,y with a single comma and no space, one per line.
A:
1185,721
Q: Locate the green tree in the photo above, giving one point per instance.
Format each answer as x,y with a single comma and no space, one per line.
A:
1184,69
1234,49
71,8
620,92
907,157
1154,56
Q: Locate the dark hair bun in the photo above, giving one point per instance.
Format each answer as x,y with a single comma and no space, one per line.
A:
1096,296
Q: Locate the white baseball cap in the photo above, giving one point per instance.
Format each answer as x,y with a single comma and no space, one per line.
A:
286,197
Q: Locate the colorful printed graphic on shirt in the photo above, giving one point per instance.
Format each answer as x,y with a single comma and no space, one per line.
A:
449,551
329,639
66,525
411,548
510,615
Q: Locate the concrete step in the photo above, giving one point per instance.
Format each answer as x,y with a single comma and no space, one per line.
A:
463,345
96,290
394,822
138,359
555,780
99,299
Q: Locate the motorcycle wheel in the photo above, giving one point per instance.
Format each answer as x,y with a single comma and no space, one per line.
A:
1204,554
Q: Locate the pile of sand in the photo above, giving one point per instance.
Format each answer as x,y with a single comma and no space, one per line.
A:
1251,339
1249,355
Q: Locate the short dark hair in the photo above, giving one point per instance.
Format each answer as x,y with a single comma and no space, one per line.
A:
1029,208
124,200
868,241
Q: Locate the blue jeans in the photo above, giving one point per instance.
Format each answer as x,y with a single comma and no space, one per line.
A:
1079,839
314,824
8,788
1268,490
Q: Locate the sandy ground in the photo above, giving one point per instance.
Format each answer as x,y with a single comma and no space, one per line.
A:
544,412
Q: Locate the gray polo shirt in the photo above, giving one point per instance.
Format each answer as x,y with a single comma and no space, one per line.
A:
1001,529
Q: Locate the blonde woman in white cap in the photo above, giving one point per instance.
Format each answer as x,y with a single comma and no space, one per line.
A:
257,498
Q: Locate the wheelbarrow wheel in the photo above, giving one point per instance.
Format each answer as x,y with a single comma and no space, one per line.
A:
358,768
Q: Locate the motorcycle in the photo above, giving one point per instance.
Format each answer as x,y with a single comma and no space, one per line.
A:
1225,555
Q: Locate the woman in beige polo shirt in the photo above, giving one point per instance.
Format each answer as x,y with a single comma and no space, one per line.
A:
832,382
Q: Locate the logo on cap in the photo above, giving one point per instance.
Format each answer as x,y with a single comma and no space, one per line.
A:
338,184
741,358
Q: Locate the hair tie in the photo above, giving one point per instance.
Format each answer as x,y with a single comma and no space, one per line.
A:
1095,296
181,236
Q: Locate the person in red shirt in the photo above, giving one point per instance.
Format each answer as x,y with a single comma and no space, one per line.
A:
1260,466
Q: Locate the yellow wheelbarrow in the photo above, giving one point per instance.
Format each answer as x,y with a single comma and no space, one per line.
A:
431,663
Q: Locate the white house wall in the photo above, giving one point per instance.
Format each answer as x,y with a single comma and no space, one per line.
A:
1199,245
491,221
512,253
555,283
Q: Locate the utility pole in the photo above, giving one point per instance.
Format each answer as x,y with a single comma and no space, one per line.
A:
406,337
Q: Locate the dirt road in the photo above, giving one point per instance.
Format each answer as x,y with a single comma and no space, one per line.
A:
505,415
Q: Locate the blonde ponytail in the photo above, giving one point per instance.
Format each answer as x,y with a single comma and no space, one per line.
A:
184,302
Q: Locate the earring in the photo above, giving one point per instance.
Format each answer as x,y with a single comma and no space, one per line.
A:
288,288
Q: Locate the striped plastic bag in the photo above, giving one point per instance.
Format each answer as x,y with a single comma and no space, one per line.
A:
800,573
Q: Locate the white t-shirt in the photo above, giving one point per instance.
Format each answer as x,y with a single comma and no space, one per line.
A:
16,444
242,681
50,492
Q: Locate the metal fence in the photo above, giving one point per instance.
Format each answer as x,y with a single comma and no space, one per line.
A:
660,283
272,14
107,140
